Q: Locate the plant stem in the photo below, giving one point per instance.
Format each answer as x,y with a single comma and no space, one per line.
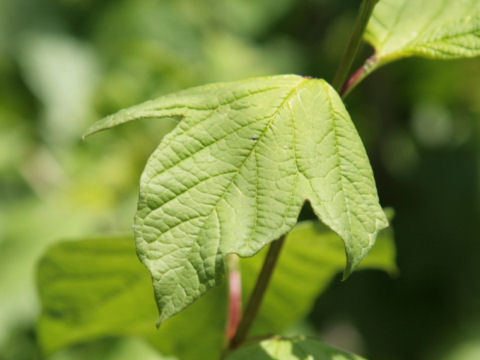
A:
348,57
234,297
368,67
257,294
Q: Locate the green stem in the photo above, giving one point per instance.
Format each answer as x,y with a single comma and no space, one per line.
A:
348,57
258,293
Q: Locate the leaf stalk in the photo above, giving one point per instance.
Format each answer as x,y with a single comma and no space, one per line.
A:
366,69
234,296
353,45
258,293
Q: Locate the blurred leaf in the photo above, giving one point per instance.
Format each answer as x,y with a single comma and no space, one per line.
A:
249,17
152,47
110,349
312,255
61,71
440,29
291,349
199,329
96,288
233,175
92,288
163,24
464,351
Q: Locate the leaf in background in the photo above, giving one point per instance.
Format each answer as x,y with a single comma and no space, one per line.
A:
62,72
249,17
97,288
109,349
291,349
311,257
92,288
235,172
436,29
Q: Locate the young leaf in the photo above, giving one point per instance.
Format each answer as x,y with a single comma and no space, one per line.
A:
234,174
291,349
96,288
436,29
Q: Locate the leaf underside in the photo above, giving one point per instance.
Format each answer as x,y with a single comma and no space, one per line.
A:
235,172
436,29
291,349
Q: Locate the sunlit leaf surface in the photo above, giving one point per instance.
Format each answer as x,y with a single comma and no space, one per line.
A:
436,29
235,172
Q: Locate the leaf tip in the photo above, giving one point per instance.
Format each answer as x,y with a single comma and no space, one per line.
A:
89,132
161,318
355,257
349,269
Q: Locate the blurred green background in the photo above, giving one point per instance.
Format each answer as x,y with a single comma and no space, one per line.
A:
66,63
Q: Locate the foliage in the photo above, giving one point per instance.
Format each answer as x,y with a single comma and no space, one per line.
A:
97,288
233,176
431,29
291,349
65,63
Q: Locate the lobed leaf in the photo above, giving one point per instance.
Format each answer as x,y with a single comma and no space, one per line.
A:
291,349
97,288
235,172
435,29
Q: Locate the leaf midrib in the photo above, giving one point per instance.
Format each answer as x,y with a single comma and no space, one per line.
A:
240,166
227,187
255,144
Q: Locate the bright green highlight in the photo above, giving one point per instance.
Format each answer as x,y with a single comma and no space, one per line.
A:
96,288
435,29
291,349
235,172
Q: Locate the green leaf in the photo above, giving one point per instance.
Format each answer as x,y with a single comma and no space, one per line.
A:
291,349
92,288
311,257
435,29
96,288
235,172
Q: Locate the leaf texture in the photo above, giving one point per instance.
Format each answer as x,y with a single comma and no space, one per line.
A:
291,349
235,172
435,29
95,288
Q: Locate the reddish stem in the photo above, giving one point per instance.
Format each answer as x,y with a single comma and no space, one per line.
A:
258,293
234,296
358,75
